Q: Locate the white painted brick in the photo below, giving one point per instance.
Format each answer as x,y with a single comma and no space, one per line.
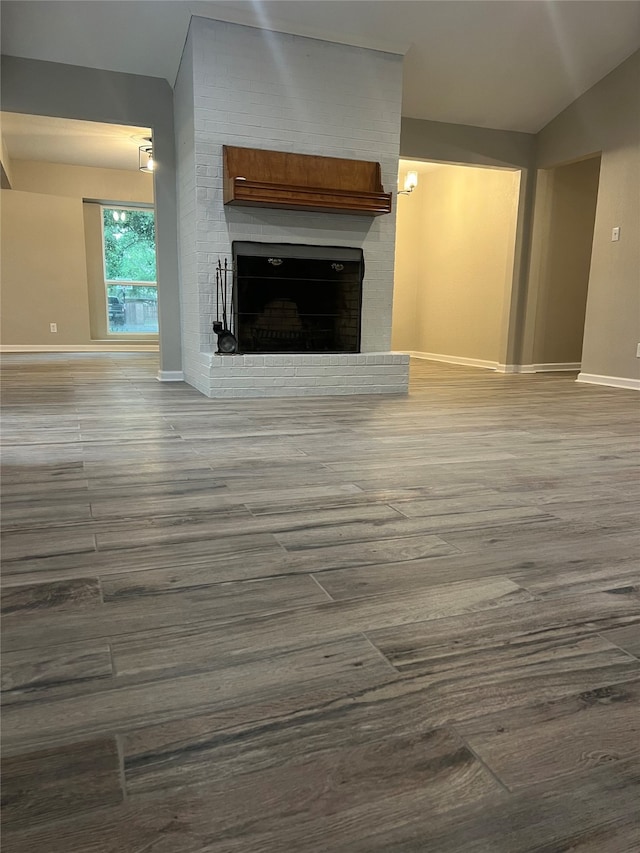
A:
279,371
336,100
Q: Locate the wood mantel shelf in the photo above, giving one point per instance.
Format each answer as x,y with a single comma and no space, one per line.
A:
257,178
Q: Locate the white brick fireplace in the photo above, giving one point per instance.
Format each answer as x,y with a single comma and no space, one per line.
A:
259,89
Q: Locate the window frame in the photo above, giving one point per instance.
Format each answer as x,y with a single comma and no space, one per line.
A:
108,282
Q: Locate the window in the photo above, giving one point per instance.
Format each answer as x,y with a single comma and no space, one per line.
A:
129,240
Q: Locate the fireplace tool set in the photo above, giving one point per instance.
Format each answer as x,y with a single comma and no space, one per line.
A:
227,343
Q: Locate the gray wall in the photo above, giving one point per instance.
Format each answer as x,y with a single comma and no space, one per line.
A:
48,88
184,107
461,143
607,119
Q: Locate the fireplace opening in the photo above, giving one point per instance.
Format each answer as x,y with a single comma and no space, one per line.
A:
297,298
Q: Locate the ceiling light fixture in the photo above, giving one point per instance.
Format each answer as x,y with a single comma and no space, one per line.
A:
410,183
145,157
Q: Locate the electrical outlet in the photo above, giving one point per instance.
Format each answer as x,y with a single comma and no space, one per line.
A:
638,351
53,327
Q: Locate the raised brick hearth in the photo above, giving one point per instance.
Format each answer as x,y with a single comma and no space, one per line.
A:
295,375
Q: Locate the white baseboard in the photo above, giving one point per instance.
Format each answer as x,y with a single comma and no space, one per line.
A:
494,365
551,367
170,376
611,381
454,359
557,367
78,348
515,368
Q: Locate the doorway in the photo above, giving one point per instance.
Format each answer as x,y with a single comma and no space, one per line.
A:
455,247
561,261
56,291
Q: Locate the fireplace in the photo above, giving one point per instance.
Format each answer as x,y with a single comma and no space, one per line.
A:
297,298
346,105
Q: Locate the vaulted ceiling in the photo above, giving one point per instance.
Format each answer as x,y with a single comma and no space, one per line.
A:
511,65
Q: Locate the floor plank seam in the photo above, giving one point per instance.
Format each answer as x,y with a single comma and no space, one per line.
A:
479,758
382,655
622,649
326,592
399,511
118,737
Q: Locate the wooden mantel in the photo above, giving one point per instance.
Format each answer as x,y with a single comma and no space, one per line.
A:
257,178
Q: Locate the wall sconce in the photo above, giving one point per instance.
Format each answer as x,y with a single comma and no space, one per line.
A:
145,158
410,183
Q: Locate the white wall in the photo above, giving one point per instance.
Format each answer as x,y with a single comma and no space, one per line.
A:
52,269
44,277
408,268
82,181
454,262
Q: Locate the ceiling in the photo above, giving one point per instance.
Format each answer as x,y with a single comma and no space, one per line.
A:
510,65
77,143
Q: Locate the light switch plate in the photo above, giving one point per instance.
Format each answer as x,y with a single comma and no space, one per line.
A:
615,234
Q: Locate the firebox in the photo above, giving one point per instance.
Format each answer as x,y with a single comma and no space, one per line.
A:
297,298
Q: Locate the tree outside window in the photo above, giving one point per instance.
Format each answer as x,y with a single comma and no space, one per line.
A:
130,270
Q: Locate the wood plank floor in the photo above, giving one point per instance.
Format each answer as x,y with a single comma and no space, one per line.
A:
334,624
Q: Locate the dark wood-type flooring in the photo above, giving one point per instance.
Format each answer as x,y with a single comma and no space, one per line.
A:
365,624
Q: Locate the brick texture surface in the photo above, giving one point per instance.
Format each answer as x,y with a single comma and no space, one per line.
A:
254,88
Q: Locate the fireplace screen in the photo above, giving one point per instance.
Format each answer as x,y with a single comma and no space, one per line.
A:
293,298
